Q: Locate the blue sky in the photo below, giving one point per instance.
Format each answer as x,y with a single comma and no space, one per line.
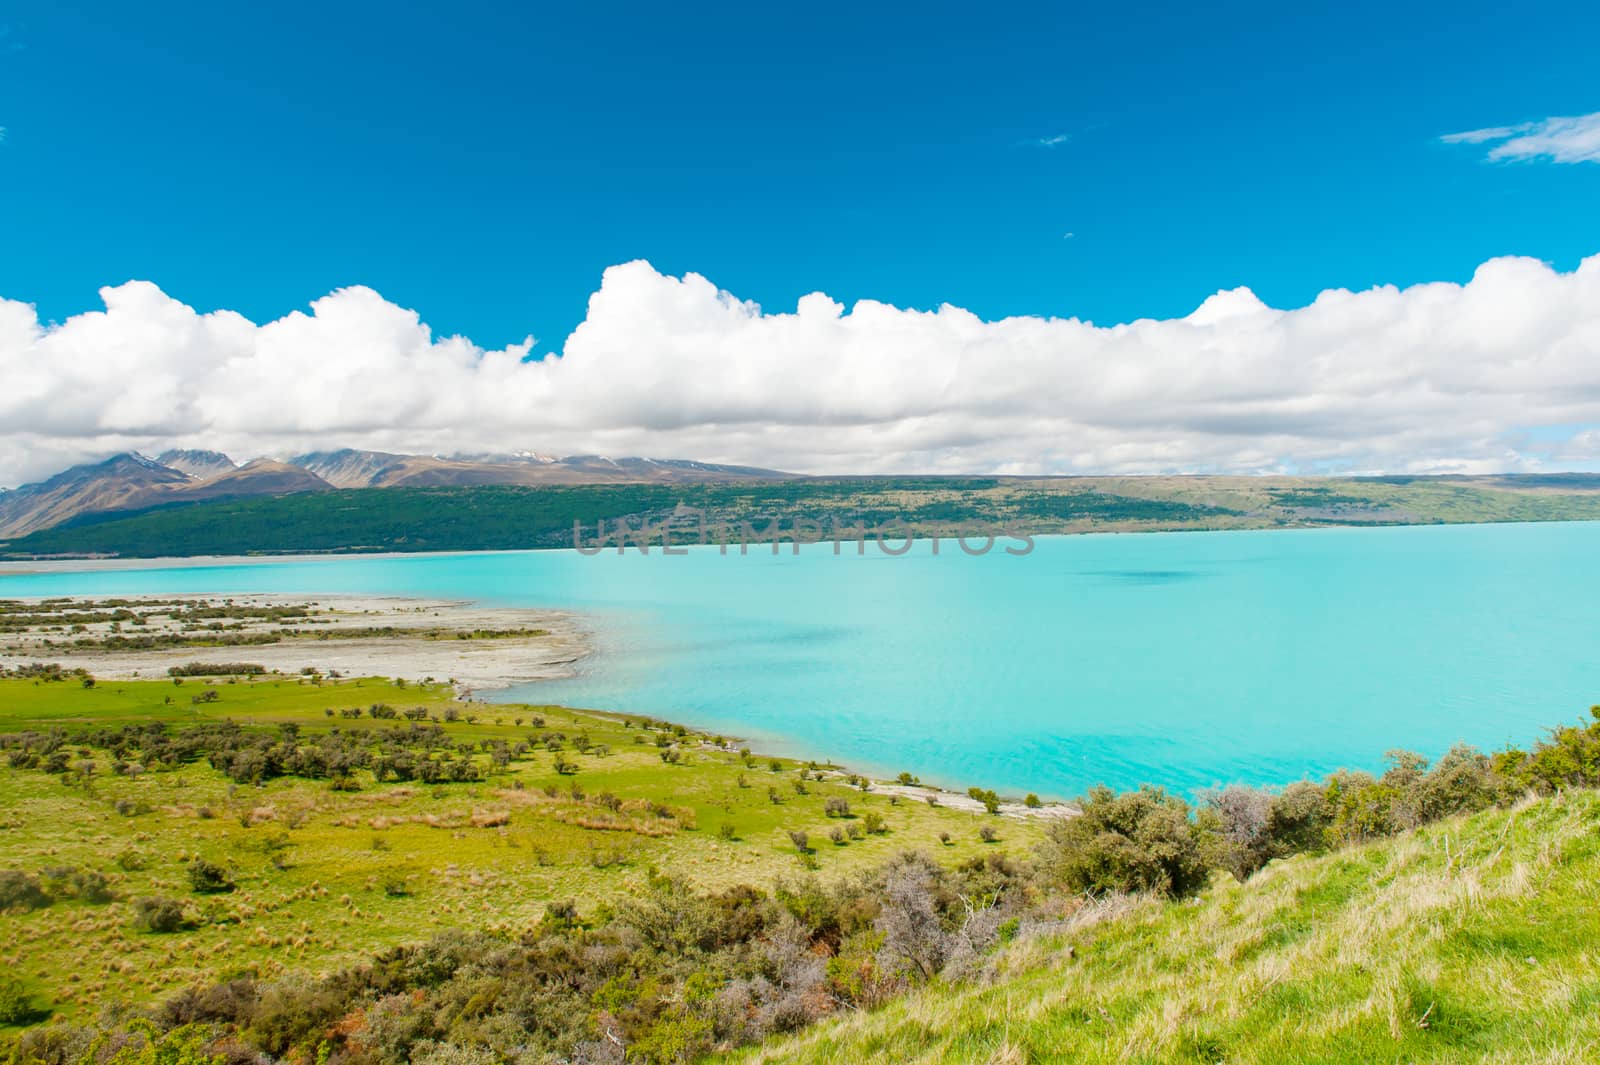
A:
483,163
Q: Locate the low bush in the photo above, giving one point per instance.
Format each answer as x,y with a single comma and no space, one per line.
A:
217,669
21,891
157,913
1136,841
207,878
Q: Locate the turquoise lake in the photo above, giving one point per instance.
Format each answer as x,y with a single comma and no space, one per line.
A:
1183,659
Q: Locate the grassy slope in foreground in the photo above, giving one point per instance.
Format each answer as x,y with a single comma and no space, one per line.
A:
313,865
1472,940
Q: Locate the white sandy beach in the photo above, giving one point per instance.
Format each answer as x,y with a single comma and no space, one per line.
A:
470,663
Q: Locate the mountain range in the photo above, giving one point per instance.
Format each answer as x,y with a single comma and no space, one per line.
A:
133,482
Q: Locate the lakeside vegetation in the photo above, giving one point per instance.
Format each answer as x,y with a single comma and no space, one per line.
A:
512,517
1470,941
161,625
484,817
208,869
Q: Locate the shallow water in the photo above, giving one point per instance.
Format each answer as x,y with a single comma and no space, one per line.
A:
1184,659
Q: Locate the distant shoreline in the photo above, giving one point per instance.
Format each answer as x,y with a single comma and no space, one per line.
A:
25,567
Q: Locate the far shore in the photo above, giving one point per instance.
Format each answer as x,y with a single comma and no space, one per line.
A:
86,564
109,563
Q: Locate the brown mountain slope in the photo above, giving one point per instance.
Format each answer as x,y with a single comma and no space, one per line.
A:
349,468
133,482
115,484
261,477
201,465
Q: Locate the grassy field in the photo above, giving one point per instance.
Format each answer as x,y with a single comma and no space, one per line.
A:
1473,940
324,877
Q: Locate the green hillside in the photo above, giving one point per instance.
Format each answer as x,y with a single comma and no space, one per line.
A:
266,867
1472,940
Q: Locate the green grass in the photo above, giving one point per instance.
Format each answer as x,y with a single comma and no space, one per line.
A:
1472,940
327,906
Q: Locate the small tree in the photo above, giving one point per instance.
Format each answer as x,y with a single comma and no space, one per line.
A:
16,1006
801,841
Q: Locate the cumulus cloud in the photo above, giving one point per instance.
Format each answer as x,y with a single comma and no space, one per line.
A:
1561,140
1435,377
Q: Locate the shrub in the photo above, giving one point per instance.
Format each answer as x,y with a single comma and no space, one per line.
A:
218,669
837,807
21,891
206,878
1031,801
562,914
837,835
1298,820
988,834
1462,781
872,821
395,887
16,1007
90,885
1136,841
914,939
1237,817
990,800
1359,807
801,841
157,913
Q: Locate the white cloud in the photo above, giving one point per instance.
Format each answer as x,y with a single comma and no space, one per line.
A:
1561,140
1054,141
1435,377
